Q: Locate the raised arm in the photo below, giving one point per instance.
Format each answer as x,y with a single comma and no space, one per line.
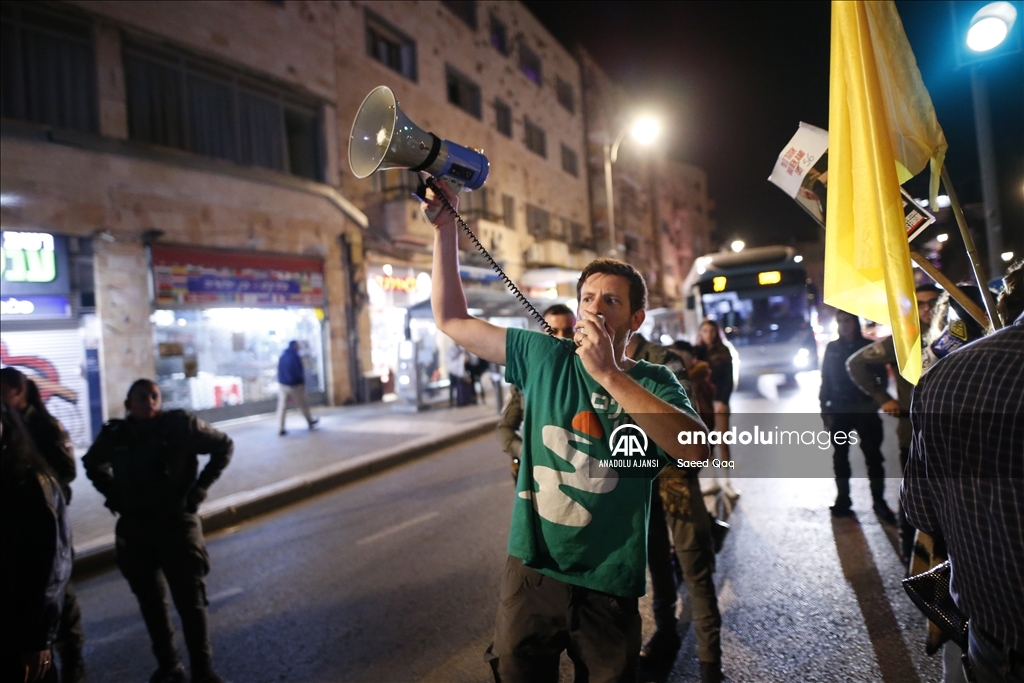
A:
859,366
447,298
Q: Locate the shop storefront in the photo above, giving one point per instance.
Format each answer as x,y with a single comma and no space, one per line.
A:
392,290
222,318
46,333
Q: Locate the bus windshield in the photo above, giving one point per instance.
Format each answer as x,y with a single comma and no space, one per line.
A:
758,316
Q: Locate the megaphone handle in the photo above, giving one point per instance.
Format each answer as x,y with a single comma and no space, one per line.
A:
429,182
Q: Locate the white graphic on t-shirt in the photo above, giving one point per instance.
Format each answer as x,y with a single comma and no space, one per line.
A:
549,500
605,404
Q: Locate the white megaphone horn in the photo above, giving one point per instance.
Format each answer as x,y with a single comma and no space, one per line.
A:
383,137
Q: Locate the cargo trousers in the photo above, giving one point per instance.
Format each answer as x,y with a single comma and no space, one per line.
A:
540,617
155,552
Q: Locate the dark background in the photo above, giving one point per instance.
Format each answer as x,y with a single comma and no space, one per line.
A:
734,79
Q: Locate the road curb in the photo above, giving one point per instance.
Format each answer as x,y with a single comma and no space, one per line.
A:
239,507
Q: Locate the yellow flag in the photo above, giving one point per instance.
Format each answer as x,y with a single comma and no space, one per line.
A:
882,130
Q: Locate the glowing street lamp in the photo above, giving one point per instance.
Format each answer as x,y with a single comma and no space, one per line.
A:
644,131
990,25
737,245
988,29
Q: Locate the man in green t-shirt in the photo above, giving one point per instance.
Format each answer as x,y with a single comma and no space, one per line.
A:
577,547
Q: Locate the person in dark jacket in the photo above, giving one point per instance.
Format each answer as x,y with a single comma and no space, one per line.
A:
291,381
146,467
845,408
35,535
52,442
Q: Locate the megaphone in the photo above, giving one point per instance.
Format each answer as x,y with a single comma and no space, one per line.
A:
383,138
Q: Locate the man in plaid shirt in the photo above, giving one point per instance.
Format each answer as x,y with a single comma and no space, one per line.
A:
964,480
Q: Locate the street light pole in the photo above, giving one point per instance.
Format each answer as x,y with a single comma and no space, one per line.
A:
611,153
987,162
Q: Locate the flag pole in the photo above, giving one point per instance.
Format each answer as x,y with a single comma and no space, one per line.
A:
954,291
979,272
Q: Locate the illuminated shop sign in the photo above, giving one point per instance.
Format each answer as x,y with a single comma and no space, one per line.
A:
35,307
188,276
390,283
33,264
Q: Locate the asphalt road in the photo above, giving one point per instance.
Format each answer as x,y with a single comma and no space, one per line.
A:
395,579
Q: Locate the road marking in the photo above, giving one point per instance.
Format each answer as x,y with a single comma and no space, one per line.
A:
398,527
225,594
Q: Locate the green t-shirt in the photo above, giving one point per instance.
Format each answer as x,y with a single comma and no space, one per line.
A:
574,519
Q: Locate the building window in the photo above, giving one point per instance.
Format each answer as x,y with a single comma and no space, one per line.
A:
565,228
394,183
536,140
177,101
576,236
566,98
462,92
538,221
390,47
48,68
464,10
499,36
632,245
570,162
529,63
478,204
503,117
508,211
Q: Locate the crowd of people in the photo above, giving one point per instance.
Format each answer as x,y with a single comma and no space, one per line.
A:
584,535
147,469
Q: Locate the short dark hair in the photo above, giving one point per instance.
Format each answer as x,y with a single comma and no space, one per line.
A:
13,377
558,309
683,346
610,266
927,287
138,385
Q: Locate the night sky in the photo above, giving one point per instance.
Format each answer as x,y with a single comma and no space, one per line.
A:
734,79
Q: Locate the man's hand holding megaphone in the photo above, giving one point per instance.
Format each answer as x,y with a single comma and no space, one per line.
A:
434,208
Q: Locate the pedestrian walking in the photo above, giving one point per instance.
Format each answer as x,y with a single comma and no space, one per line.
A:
291,383
844,409
54,445
577,561
458,388
35,535
147,468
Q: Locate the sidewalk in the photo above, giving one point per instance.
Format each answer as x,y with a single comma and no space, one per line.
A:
269,471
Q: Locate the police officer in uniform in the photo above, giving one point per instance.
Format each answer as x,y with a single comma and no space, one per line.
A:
146,467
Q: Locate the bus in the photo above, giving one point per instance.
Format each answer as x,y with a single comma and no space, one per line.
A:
765,304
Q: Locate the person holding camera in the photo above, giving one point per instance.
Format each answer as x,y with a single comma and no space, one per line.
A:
146,466
577,563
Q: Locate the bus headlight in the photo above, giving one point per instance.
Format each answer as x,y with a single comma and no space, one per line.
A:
801,358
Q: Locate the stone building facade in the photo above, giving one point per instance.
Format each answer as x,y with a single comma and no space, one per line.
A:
190,129
188,162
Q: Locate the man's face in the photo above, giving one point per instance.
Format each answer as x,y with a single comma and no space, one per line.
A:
608,295
925,307
847,325
564,324
144,403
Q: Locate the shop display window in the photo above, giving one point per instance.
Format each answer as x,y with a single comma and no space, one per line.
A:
222,357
